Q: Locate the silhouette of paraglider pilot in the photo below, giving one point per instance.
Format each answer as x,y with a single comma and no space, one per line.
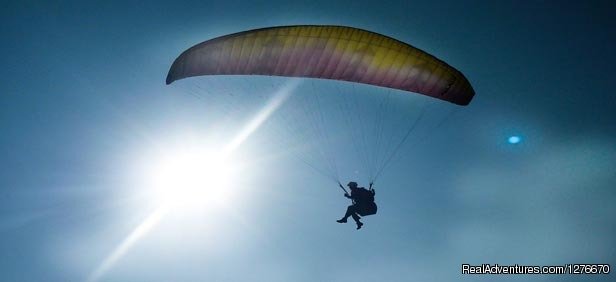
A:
363,203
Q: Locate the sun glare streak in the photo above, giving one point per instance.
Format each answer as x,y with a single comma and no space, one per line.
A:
143,228
276,101
170,177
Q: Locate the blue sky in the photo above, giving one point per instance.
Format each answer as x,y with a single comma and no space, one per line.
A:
84,107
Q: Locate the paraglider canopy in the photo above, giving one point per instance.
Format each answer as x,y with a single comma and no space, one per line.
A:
328,52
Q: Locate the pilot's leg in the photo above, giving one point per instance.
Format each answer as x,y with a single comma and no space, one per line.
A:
349,212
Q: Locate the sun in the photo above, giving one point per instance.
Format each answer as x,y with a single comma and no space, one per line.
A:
191,178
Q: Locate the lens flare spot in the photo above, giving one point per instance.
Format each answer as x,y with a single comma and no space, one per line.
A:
514,139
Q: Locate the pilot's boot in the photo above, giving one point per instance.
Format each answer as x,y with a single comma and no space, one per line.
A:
356,218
